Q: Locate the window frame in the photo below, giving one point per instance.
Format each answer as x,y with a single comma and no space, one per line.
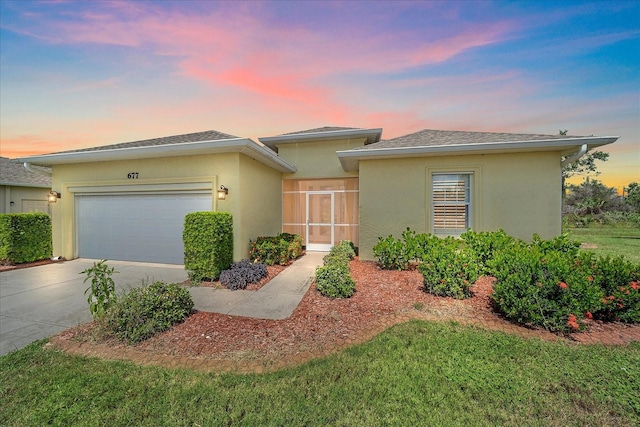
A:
468,202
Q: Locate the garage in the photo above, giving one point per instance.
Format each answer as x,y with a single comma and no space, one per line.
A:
135,227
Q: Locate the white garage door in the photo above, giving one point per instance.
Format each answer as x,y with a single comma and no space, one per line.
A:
135,227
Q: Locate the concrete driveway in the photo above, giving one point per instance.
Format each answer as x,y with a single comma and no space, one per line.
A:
38,302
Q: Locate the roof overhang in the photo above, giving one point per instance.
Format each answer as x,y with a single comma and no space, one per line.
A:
371,135
350,158
244,146
21,184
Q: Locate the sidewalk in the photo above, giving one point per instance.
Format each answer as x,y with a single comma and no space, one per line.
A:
276,300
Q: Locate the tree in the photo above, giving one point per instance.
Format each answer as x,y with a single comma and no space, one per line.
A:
584,165
633,196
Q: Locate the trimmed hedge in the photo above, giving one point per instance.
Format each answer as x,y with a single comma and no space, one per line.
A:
208,244
25,237
280,249
333,279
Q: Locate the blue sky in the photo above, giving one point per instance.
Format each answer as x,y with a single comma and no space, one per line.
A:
77,74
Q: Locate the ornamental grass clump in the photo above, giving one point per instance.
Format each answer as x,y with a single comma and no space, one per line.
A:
334,279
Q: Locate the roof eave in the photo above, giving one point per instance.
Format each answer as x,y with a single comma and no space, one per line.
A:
241,145
22,184
350,158
372,136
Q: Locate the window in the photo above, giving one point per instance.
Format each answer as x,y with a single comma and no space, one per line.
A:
451,197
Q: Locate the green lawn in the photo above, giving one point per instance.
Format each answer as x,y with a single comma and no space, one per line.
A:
419,373
610,241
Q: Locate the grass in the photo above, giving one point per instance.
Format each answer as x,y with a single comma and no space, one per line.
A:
610,241
418,373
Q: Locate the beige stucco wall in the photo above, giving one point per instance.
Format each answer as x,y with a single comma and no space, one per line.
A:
211,169
520,193
260,194
25,199
317,159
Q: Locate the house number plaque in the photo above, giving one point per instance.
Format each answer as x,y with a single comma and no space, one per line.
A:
132,175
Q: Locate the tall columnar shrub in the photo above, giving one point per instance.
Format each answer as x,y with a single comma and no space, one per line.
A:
25,237
208,244
333,279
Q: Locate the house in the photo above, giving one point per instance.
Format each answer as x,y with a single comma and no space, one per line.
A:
128,201
23,190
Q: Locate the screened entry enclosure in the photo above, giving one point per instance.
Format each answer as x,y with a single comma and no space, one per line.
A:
323,211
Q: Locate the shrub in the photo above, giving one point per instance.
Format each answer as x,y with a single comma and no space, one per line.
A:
483,246
448,272
208,244
280,249
25,237
103,288
620,281
560,243
549,289
342,252
390,253
242,274
146,311
333,280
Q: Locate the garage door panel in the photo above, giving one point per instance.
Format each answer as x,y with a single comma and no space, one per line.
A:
145,228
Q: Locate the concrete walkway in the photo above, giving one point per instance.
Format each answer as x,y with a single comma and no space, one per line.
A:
275,300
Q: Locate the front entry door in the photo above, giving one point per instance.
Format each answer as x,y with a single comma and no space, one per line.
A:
320,221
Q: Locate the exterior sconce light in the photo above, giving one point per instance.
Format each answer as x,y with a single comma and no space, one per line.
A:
53,196
222,192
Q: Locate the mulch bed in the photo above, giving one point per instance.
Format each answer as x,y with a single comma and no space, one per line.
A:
320,326
9,267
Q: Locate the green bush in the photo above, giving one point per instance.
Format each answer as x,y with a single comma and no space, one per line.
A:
620,281
208,244
25,237
483,246
550,289
280,249
447,271
333,279
144,312
342,252
398,254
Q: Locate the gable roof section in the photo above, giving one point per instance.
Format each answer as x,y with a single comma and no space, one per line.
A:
322,134
430,142
14,174
207,142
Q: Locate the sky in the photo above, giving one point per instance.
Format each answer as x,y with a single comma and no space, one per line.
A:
77,74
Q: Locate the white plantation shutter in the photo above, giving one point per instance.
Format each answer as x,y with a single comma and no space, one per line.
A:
451,202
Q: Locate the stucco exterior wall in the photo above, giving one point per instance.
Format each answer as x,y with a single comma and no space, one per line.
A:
211,170
520,193
317,159
260,194
25,199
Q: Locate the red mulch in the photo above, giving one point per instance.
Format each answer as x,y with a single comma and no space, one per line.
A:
321,325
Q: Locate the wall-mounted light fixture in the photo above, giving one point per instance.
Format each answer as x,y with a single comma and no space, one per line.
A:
222,192
53,196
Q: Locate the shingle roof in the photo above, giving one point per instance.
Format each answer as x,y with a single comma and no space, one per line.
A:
430,138
12,173
320,130
208,135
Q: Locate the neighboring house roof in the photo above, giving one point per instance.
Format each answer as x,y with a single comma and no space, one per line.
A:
14,174
322,134
207,142
430,142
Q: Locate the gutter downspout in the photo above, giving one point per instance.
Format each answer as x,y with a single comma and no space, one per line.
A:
575,156
30,168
